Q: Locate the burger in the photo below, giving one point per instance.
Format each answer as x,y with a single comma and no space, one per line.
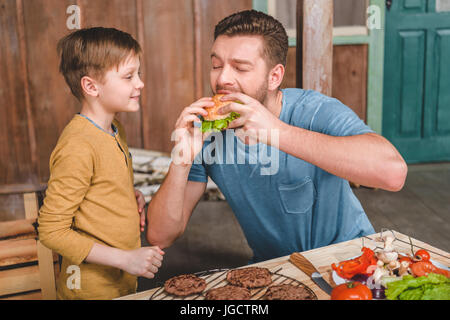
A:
217,122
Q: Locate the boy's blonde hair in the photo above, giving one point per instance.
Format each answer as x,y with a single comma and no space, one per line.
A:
93,52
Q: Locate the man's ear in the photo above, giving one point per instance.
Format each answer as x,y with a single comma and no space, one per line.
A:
89,86
276,76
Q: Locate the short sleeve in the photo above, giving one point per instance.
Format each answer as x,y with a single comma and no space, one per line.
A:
336,119
198,171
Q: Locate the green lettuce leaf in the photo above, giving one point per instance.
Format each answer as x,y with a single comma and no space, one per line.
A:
410,288
437,292
411,294
219,125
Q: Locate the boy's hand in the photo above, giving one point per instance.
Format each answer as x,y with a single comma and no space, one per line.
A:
143,262
141,205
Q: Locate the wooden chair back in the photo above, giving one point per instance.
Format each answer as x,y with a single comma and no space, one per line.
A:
27,267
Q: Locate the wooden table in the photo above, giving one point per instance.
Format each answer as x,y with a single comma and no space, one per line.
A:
322,258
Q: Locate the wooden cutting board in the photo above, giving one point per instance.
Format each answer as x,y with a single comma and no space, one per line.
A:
322,258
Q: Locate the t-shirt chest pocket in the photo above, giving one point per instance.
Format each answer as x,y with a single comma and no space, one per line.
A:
298,197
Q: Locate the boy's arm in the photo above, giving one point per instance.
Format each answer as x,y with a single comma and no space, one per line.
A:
171,207
140,199
71,170
143,262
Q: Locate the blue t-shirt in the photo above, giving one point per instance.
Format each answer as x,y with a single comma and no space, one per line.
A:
283,203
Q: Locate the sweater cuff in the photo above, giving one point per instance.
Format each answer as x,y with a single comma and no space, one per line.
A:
83,249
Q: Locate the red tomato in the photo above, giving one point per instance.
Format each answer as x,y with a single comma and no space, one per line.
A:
422,255
423,268
405,258
351,291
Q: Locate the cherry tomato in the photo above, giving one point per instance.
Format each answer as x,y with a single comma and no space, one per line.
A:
422,255
351,291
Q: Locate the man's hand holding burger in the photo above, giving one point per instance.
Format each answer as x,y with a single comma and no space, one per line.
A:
255,122
188,136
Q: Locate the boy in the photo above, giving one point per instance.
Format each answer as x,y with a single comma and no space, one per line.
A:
90,214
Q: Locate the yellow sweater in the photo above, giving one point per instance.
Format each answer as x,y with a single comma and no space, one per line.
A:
90,198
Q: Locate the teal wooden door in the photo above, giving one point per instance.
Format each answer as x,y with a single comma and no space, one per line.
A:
416,103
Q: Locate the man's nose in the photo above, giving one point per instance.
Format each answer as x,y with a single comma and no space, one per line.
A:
225,77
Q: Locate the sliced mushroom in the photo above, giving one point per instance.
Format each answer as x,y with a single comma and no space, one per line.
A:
387,257
379,272
394,265
403,270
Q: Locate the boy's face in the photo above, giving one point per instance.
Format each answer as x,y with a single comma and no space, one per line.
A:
238,66
121,87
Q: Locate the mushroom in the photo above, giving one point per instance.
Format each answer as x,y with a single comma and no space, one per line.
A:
403,270
388,244
387,256
393,267
379,272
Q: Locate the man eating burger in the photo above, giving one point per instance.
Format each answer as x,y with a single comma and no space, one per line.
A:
320,144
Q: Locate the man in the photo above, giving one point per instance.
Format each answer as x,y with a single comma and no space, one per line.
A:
319,144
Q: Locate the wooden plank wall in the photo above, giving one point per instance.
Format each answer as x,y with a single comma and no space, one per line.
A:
176,35
349,76
35,102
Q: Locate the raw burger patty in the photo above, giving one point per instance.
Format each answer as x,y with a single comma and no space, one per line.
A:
251,277
287,292
228,292
185,285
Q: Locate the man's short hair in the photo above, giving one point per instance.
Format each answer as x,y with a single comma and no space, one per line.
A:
252,22
93,52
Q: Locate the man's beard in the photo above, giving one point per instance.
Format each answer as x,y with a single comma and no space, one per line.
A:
261,93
